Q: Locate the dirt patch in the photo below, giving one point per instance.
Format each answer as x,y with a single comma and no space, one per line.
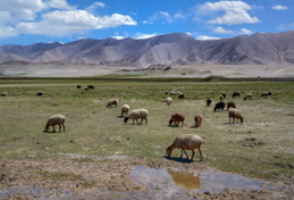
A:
85,176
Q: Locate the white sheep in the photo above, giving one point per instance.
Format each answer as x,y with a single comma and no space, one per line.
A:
3,94
235,113
221,97
55,120
186,142
248,96
125,109
168,100
137,114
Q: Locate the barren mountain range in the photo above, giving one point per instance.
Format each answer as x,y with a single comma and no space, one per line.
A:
167,50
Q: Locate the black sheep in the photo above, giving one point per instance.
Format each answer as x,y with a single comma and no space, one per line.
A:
219,105
79,87
236,94
266,94
208,102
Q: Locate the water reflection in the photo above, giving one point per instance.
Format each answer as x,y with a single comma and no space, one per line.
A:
185,179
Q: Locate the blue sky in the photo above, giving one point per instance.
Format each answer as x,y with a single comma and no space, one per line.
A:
30,21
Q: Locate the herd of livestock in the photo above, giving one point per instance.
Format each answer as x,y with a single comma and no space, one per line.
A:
184,141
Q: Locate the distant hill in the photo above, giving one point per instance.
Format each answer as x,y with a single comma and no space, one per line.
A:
169,49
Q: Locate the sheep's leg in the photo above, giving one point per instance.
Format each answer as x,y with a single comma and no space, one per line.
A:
233,120
59,128
229,119
200,154
145,120
193,152
137,121
186,154
63,127
182,153
134,121
53,128
142,120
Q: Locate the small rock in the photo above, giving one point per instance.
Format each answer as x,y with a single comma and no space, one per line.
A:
93,112
128,138
249,131
46,149
71,141
207,193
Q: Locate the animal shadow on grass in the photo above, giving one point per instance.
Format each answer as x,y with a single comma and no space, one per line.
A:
120,116
44,131
181,160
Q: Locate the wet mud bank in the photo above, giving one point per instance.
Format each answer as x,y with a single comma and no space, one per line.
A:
127,178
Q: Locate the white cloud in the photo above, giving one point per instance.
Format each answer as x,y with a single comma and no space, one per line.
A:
245,31
235,12
222,30
142,36
7,31
205,37
60,22
147,22
159,15
179,15
117,36
190,34
94,6
280,7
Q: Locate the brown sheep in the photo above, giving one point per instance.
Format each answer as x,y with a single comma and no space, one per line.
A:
224,95
181,96
198,120
231,105
177,118
112,102
234,113
186,142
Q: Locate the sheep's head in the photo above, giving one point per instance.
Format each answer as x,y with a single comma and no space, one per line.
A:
126,119
269,93
241,119
47,126
170,122
168,151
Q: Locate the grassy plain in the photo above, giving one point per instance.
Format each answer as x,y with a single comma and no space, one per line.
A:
262,147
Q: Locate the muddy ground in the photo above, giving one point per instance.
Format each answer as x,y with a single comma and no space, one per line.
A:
80,176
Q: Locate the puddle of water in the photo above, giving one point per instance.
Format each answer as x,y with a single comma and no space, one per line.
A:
162,184
175,180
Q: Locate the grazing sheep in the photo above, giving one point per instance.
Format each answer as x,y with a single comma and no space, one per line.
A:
236,94
224,95
39,93
266,94
186,142
221,97
231,105
219,105
208,102
112,102
234,113
177,118
90,87
79,87
181,96
168,100
248,96
137,114
173,92
125,109
55,120
198,120
3,94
